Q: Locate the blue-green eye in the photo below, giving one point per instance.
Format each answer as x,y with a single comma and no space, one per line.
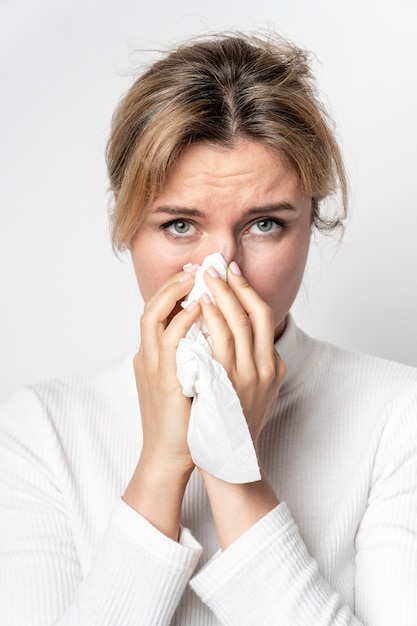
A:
178,228
265,226
181,227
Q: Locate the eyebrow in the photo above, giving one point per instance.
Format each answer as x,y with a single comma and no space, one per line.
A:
190,212
173,210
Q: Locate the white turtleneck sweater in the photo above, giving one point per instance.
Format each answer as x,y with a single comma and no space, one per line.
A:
341,548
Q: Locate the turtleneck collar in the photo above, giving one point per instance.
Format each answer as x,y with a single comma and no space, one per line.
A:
299,352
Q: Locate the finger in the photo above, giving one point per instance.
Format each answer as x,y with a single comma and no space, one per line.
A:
238,326
178,279
158,308
241,305
170,339
223,340
260,315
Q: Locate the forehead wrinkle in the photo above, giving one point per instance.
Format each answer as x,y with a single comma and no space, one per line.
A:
219,178
205,179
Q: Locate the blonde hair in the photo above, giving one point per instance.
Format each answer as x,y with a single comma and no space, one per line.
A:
218,90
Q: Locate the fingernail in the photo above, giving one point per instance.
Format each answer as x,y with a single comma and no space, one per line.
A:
206,298
191,305
235,268
184,277
213,272
190,267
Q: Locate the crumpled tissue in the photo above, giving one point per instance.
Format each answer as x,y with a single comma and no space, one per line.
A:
218,435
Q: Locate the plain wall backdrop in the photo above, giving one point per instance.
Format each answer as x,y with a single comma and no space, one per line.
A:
66,302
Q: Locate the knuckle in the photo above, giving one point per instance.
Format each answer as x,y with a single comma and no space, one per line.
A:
244,283
269,371
147,305
248,374
136,366
268,377
242,320
140,358
228,342
145,317
273,370
137,358
223,348
238,281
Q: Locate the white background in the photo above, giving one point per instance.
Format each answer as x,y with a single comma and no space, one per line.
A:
66,302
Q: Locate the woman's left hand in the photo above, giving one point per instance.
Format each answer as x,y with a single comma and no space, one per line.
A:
241,327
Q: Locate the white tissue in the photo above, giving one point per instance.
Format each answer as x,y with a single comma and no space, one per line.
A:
218,435
214,260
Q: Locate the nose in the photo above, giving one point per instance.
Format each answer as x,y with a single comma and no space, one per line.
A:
226,245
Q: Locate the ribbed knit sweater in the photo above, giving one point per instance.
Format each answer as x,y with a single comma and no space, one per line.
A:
340,548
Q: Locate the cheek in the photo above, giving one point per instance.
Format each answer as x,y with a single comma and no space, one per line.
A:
278,279
151,274
278,288
147,282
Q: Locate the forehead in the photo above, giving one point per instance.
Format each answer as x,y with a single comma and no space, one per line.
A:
248,168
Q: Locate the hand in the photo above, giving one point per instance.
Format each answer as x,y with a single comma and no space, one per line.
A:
241,327
157,486
165,410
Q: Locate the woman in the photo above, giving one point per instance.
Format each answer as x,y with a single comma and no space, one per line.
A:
220,147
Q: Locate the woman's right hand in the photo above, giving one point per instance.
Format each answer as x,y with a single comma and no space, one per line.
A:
165,464
164,408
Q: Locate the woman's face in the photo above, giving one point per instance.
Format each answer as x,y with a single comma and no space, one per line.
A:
245,202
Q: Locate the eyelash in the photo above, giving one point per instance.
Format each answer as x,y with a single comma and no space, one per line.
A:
281,225
166,226
178,220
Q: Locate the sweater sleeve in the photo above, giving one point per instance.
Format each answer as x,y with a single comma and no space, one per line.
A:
386,542
137,575
267,576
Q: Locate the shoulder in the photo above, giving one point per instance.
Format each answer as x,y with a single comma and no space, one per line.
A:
317,366
363,371
361,387
82,397
101,384
369,401
368,389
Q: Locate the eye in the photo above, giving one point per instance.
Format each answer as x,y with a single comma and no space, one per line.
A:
266,225
178,228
